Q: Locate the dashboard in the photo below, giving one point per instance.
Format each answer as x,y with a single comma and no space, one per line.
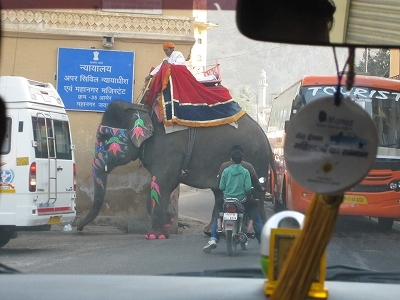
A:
67,287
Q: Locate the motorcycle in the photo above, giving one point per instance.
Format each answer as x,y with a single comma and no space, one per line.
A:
233,216
234,223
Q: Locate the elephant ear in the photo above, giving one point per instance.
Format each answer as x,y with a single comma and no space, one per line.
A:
140,127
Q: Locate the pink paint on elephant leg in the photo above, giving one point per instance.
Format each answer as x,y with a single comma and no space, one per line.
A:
155,200
168,225
154,236
154,192
150,236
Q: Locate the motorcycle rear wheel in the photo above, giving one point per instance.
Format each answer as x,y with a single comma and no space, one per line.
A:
230,242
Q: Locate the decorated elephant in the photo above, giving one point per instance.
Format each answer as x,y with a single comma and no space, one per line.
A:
191,156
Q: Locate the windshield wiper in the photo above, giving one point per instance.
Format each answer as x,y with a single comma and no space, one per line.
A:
7,270
352,274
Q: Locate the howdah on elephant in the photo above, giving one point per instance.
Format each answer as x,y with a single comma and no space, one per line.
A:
192,156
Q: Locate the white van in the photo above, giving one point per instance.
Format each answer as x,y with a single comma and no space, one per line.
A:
37,175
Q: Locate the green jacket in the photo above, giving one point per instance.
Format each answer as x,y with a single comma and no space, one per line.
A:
235,182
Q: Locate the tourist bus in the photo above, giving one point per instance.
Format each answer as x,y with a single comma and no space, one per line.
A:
378,195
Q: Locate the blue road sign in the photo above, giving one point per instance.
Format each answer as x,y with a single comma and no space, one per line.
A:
89,79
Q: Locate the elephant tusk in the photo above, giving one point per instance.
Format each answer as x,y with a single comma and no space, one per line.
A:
105,168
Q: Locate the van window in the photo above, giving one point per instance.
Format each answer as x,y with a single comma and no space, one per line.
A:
6,147
63,141
58,135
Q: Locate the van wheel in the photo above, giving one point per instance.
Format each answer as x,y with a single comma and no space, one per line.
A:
385,224
4,238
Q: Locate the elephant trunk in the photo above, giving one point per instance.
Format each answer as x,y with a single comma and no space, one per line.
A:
97,204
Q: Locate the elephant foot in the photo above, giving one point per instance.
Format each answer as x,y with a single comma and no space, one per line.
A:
168,225
156,236
150,236
160,233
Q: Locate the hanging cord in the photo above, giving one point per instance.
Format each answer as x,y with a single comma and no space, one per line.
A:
350,74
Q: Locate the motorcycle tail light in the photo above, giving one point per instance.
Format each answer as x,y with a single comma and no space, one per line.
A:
230,208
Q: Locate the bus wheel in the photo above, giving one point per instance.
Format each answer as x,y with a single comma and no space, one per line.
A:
385,223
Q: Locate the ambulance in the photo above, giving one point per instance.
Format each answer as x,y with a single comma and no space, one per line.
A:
37,164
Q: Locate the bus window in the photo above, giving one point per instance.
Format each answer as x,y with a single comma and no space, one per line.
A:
382,105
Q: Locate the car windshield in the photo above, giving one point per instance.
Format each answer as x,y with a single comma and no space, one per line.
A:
132,191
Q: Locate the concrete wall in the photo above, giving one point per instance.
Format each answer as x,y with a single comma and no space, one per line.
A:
29,49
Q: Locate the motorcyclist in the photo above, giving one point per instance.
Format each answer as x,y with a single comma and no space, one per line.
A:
250,205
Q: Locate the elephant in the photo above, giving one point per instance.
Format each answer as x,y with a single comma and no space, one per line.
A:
193,156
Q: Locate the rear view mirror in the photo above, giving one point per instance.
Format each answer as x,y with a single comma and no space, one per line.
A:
355,23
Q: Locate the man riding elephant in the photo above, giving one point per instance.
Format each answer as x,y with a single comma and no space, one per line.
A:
176,58
172,57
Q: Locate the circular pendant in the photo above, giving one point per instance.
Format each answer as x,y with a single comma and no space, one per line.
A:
328,149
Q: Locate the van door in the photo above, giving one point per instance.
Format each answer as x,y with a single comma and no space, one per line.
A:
54,162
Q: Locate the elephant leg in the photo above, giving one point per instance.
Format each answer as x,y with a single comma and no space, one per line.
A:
161,218
160,222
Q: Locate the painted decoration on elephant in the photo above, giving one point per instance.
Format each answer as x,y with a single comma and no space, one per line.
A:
111,144
154,193
142,128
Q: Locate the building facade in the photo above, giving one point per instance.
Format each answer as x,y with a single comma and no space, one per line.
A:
30,43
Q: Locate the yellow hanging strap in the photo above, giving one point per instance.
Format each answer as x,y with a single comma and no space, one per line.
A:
301,264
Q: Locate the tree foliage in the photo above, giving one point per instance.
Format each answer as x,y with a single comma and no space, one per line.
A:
378,62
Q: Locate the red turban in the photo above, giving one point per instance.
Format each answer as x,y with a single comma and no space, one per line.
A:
168,45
